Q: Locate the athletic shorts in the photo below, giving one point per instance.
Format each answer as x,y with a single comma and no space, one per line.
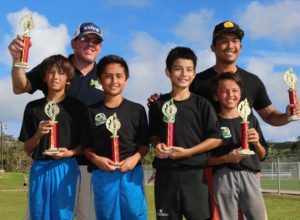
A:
181,192
52,189
117,195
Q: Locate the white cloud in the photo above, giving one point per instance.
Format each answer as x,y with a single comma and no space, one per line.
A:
279,21
196,27
47,39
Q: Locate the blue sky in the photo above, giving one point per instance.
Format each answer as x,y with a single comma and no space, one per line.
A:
143,31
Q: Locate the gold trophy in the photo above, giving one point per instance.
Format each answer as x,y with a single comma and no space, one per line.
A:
27,25
169,110
244,111
52,110
113,125
290,79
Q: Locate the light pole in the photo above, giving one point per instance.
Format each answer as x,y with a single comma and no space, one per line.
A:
2,146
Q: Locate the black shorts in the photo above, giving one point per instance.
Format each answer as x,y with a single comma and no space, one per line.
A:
181,192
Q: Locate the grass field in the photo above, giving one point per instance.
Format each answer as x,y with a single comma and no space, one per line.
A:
13,203
285,184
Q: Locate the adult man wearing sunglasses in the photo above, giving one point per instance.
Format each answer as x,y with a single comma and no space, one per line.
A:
86,44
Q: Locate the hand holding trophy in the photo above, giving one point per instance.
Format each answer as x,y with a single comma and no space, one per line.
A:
290,79
27,25
52,110
113,125
244,111
169,110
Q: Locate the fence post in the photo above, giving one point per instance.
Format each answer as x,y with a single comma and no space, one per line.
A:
298,170
278,175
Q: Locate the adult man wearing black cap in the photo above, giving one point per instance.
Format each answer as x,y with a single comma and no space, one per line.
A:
86,44
227,46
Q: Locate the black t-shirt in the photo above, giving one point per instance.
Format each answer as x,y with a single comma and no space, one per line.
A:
253,88
84,88
195,121
231,130
68,125
132,134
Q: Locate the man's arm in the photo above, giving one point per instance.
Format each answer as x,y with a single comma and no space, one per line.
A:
20,82
274,117
102,163
231,157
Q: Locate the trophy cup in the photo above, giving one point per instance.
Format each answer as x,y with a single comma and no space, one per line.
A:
169,110
113,125
244,111
52,110
26,24
290,79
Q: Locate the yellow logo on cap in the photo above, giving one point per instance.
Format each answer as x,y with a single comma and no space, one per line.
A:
228,24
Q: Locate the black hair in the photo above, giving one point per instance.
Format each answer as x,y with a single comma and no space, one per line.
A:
180,52
111,59
225,76
61,63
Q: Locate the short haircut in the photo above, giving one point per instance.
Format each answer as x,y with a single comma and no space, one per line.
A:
61,63
183,53
225,76
109,59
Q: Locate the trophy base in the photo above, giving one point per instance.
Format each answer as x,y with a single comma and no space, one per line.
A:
246,152
22,65
294,118
115,166
52,151
169,150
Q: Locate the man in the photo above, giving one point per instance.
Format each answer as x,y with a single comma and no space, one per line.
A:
86,44
227,46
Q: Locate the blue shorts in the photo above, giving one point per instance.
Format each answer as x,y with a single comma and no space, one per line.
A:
52,189
117,195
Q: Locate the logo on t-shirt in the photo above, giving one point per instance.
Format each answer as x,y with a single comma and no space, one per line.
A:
226,132
95,83
100,119
162,213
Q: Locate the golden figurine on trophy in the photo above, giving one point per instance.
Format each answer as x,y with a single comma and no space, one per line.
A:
27,25
113,125
169,110
52,110
244,111
290,79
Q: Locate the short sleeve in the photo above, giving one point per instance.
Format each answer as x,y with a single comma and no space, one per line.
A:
143,127
28,126
36,81
261,99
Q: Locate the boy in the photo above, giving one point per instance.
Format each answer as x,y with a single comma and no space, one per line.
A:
117,187
236,183
52,176
180,186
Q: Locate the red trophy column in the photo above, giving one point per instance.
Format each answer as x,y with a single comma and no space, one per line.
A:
27,25
244,111
113,125
169,110
290,79
52,110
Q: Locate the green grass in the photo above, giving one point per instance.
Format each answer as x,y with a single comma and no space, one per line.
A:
12,180
285,184
13,204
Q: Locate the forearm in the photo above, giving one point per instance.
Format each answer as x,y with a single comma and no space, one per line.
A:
20,81
206,145
143,150
260,151
213,161
154,140
77,151
273,116
90,155
31,143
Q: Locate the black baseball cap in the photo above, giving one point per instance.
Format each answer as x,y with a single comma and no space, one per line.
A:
227,27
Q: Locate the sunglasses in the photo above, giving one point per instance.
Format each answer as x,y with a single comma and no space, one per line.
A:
94,40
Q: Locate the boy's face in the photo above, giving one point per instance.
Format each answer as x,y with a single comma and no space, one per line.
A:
86,51
227,48
113,79
228,94
56,80
182,73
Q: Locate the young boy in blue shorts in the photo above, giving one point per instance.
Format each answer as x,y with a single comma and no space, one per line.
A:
180,185
236,183
53,177
117,187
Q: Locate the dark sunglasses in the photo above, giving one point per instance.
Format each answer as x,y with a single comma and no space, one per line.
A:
94,40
